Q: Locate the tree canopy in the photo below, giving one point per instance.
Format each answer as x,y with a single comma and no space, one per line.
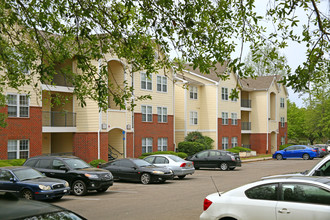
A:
38,35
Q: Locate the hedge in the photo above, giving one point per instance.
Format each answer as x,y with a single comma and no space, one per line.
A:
191,148
94,163
239,149
284,146
179,154
13,162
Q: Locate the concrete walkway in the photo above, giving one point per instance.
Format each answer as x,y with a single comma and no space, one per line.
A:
256,159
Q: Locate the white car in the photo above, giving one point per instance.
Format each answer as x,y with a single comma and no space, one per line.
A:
179,166
290,198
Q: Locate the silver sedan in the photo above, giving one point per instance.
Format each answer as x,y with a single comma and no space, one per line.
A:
179,166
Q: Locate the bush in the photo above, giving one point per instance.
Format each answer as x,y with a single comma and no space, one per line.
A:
284,146
14,162
94,163
191,148
197,136
233,151
180,154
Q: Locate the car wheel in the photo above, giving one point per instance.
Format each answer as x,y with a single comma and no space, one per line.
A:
223,166
181,177
279,156
306,156
145,178
102,189
79,188
27,194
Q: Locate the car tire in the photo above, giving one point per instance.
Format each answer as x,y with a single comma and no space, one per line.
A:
27,194
145,178
279,157
181,177
79,188
306,156
224,166
102,189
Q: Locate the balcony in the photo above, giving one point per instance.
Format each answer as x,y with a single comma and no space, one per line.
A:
246,103
58,119
246,126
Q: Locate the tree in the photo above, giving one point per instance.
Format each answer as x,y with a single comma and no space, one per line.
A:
295,119
38,35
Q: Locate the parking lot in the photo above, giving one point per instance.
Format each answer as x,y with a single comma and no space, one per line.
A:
174,199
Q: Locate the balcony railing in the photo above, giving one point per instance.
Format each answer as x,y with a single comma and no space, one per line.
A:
246,103
246,125
58,119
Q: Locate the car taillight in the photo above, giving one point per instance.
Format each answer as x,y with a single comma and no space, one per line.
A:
323,149
207,204
183,165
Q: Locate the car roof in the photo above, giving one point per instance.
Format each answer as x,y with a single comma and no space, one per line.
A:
53,156
15,167
164,155
316,179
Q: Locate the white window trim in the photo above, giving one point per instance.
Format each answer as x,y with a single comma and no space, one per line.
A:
162,114
224,147
192,90
18,148
233,100
282,122
147,144
146,106
236,142
147,80
227,119
18,105
282,104
160,147
161,84
232,119
224,94
192,117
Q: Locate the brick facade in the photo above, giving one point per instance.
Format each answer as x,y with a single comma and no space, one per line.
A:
229,131
282,132
23,128
259,143
153,130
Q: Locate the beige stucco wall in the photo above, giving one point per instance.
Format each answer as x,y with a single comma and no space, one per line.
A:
258,116
61,142
46,143
179,106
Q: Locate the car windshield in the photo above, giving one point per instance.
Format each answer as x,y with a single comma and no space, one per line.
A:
176,158
77,164
27,174
142,163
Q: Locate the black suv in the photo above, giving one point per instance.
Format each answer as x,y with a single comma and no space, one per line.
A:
80,175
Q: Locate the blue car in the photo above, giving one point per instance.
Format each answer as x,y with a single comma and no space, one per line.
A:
31,184
297,151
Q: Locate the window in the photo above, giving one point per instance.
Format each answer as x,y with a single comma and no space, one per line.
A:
224,143
193,118
325,169
282,102
264,192
5,175
234,118
126,163
234,99
225,118
162,114
149,159
146,113
146,82
18,149
161,84
282,140
161,160
193,92
282,122
146,145
224,93
18,106
202,154
57,164
44,163
234,142
162,144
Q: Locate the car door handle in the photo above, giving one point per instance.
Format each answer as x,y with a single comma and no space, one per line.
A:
284,211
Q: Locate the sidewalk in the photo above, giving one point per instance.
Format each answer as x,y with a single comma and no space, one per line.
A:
256,159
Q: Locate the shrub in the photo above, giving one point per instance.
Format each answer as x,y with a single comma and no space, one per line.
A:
191,148
284,146
179,154
14,162
233,151
242,149
197,136
94,163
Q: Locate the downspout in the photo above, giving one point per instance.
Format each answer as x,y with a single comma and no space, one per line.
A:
132,116
173,100
125,129
185,112
100,120
217,115
267,120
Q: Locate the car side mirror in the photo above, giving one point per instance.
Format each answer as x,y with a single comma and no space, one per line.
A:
13,180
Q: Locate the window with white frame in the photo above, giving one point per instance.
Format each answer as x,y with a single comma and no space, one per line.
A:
224,93
146,145
193,118
18,105
224,143
234,142
146,111
282,102
234,119
225,118
234,99
282,140
282,122
162,144
146,82
161,84
162,114
193,92
18,149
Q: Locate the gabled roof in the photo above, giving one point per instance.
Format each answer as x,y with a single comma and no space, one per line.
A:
220,69
189,80
259,83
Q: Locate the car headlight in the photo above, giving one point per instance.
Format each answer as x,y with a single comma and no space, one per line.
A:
66,184
43,187
91,176
157,172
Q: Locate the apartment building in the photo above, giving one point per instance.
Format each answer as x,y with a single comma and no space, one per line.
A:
256,120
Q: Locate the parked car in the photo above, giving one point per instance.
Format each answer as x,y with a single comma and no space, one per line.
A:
179,166
79,174
224,160
137,170
12,208
297,151
31,184
323,149
293,198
